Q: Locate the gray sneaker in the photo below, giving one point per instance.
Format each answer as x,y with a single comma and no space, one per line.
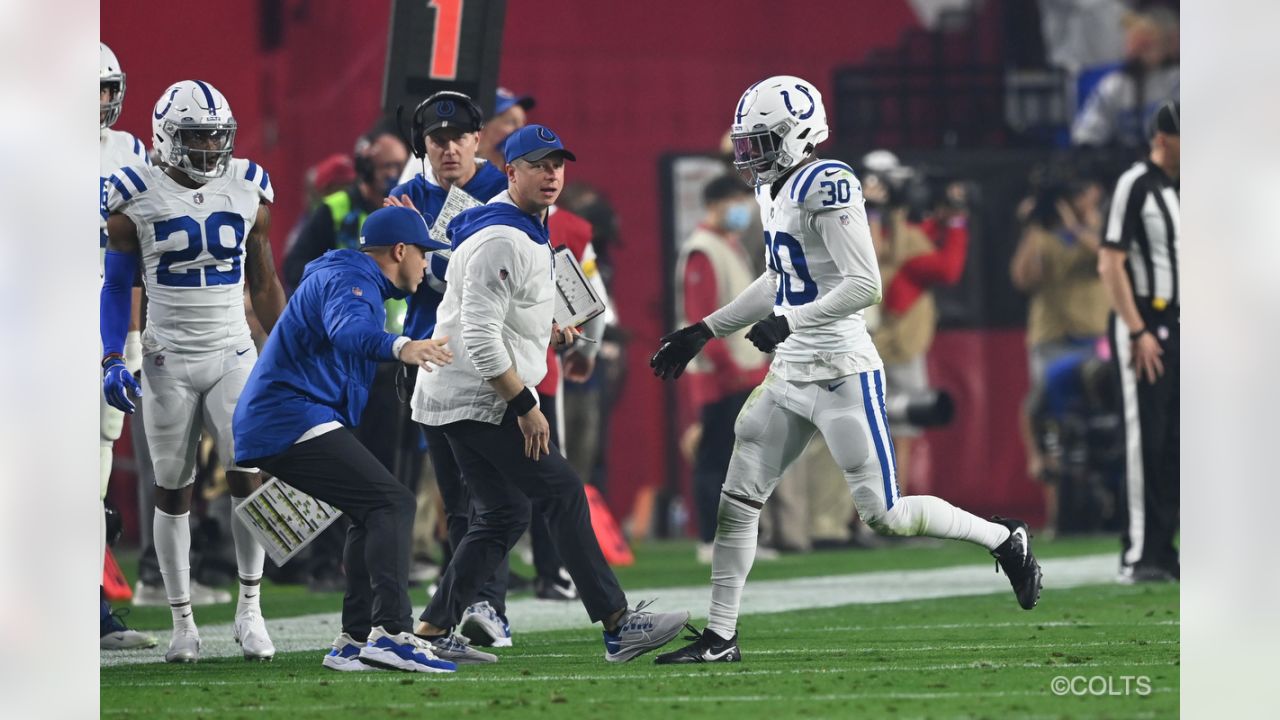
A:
641,631
457,649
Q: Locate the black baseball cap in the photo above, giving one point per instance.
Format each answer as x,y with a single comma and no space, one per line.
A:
1168,118
449,109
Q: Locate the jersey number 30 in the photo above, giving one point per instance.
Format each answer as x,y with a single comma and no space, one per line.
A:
196,243
796,269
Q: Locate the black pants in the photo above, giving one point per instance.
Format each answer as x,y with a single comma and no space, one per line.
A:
502,482
458,514
546,559
1151,414
336,468
711,462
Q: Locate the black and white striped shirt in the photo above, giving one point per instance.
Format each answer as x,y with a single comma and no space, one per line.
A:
1144,223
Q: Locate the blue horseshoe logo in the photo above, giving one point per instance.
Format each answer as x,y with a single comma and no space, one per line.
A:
446,109
172,95
546,135
807,113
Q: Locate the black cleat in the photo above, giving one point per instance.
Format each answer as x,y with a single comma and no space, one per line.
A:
1014,556
706,647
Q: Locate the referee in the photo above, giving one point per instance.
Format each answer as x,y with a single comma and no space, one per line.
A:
1138,263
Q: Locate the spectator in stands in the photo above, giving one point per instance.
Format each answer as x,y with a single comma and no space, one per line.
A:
713,268
322,180
1056,263
914,258
1118,110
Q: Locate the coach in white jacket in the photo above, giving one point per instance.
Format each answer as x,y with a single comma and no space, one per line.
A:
497,311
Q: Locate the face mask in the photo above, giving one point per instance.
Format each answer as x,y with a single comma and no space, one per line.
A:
737,217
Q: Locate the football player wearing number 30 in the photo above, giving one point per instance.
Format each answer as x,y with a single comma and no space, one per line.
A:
826,375
198,223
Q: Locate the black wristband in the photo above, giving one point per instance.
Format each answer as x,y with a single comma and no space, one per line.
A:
1135,335
523,403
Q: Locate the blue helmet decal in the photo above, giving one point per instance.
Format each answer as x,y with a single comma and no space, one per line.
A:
807,113
172,95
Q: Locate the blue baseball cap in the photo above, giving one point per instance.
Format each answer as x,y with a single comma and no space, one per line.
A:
507,100
390,225
532,143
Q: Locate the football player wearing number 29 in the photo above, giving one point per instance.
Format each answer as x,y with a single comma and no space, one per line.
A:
197,221
826,375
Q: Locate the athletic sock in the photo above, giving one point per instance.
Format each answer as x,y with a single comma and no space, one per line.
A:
250,554
172,536
935,517
249,599
183,615
735,548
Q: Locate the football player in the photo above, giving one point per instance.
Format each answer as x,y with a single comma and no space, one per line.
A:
197,223
826,375
116,149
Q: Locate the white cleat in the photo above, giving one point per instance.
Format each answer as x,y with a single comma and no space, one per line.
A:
251,635
184,646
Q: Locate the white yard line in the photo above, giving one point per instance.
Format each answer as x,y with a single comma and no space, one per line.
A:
315,632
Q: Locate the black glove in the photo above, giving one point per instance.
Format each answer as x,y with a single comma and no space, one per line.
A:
677,349
769,332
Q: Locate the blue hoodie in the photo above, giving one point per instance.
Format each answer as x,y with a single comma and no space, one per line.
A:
319,362
471,221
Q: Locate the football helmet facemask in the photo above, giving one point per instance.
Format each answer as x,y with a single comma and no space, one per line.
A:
193,130
776,125
111,79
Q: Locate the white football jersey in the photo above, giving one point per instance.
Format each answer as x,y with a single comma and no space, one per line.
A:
192,251
806,271
117,149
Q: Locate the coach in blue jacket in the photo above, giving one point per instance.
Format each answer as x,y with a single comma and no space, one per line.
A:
309,389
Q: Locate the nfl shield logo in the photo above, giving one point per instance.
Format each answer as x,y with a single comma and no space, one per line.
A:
159,361
198,198
844,220
357,291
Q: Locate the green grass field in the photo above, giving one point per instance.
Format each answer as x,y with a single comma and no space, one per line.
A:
972,656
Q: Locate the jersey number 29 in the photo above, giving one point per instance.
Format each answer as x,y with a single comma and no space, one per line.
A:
795,268
196,243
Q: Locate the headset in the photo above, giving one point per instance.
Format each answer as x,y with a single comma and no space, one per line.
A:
415,137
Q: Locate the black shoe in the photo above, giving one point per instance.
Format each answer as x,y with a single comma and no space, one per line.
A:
556,587
1141,574
706,647
1014,556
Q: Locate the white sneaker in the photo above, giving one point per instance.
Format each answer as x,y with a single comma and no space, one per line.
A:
405,651
482,625
115,635
155,596
184,646
250,634
345,656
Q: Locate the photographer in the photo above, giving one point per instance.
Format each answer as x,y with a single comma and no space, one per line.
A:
914,258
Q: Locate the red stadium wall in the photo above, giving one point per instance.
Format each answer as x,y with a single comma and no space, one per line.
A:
623,82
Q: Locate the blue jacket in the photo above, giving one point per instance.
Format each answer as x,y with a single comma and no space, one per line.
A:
319,362
488,181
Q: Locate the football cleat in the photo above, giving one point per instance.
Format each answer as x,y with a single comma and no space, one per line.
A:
404,651
113,634
640,631
345,656
184,646
706,647
458,650
250,634
1141,574
483,626
1014,556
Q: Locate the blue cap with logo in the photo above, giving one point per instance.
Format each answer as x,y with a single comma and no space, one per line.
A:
507,100
532,143
390,225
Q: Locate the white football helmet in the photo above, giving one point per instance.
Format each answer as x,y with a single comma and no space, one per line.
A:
110,78
193,130
777,124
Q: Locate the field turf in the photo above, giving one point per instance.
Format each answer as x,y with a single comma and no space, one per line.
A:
973,656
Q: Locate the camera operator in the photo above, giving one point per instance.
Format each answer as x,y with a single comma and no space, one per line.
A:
916,254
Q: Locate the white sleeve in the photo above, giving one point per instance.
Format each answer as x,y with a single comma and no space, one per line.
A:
751,306
492,272
848,239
